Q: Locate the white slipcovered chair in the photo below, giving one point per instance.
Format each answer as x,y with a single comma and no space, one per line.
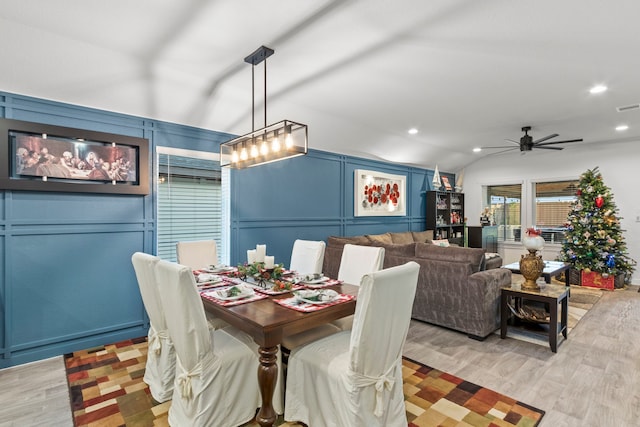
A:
161,359
354,378
216,382
307,256
357,261
197,254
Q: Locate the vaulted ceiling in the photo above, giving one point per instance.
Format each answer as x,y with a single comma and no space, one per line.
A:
464,73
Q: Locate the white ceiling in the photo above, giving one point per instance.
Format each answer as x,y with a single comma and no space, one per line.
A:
465,73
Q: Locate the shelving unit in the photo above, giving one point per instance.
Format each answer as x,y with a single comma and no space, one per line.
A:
445,215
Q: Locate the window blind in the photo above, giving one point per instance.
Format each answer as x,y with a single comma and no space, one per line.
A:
189,202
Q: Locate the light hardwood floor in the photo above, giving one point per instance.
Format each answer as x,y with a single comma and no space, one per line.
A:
593,380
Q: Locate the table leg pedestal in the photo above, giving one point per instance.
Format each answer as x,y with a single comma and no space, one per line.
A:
267,376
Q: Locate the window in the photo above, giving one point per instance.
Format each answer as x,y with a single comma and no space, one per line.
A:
504,205
546,207
189,200
552,205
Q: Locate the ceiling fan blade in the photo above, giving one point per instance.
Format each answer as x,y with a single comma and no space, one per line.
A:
503,151
558,142
548,148
502,146
553,135
511,140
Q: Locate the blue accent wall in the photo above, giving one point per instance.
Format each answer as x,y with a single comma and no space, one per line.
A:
67,281
311,197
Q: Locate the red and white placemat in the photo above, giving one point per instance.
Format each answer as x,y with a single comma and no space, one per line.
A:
296,304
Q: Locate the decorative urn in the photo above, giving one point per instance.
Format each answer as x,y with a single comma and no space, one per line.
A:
531,265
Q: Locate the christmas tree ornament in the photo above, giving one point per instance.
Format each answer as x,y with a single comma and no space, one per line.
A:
611,262
599,201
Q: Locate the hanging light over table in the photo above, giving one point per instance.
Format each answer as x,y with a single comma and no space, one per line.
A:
278,141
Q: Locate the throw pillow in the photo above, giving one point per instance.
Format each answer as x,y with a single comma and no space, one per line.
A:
422,236
402,238
442,242
384,238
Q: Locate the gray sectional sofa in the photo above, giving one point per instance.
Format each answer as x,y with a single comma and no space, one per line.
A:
458,287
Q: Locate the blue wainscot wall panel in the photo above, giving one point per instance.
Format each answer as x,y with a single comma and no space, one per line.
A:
68,282
95,296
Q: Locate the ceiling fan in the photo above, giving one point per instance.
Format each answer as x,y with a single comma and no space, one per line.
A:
527,143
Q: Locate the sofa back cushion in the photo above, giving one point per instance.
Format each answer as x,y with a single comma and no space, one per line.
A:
384,238
422,236
402,238
474,256
406,250
343,240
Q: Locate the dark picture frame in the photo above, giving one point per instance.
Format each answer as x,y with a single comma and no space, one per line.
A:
41,157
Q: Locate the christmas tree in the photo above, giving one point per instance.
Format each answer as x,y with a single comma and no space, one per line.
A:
594,240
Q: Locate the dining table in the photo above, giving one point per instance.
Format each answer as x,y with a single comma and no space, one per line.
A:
267,323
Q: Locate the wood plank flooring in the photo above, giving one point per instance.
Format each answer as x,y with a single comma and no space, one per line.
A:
593,380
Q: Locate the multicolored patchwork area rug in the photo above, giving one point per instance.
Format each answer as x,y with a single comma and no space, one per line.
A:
106,390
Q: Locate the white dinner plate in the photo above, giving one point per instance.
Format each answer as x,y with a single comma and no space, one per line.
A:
209,282
315,281
220,269
304,294
221,294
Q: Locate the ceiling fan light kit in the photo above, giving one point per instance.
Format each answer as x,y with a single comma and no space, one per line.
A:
278,141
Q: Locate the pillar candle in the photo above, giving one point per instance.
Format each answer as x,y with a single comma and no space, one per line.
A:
269,261
251,256
261,251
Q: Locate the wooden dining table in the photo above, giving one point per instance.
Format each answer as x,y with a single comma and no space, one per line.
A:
267,323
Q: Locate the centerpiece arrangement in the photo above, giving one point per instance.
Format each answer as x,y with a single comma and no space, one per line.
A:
263,276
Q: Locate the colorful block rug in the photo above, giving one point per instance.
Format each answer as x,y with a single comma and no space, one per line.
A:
106,390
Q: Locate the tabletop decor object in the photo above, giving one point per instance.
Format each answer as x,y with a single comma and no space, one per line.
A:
261,275
531,265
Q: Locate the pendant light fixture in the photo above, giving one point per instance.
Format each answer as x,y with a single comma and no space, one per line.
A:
278,141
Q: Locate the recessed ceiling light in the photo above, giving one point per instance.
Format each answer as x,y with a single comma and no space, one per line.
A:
412,131
598,89
477,150
622,128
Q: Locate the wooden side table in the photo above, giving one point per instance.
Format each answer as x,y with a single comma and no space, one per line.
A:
553,295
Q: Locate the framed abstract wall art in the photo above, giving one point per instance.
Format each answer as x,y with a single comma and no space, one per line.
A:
379,194
42,157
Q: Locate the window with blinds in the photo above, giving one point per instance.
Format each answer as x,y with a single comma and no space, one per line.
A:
189,202
553,204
